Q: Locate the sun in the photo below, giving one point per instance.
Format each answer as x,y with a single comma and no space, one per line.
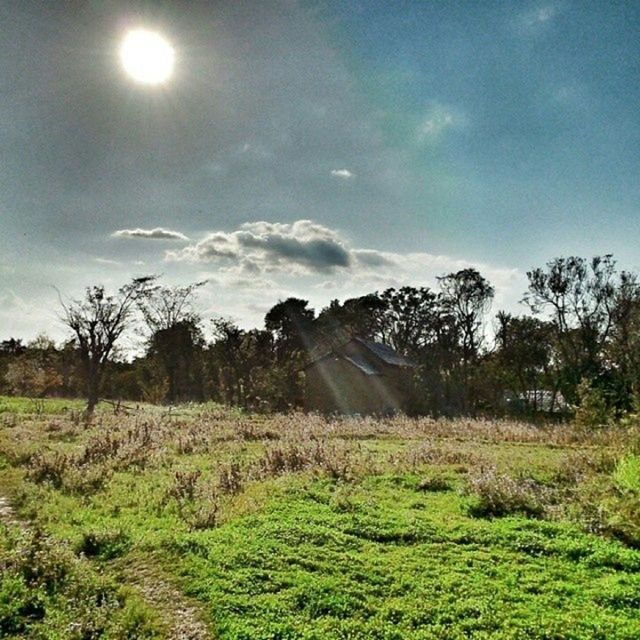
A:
147,56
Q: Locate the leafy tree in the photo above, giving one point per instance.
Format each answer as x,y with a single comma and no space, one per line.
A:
242,367
362,317
176,340
291,322
524,356
177,351
466,295
580,297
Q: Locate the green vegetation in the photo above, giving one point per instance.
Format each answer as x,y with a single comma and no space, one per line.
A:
296,527
46,406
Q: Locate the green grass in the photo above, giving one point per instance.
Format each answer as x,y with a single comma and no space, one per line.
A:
42,406
374,538
396,565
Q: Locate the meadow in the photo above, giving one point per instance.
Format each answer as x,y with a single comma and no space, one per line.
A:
203,522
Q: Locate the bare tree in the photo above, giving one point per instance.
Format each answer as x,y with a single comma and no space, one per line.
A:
165,307
98,321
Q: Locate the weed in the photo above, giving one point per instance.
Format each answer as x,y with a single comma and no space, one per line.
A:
497,494
626,475
184,487
48,468
230,479
434,483
103,543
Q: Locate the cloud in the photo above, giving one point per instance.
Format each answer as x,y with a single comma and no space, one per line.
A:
159,233
311,251
344,174
113,263
303,247
437,120
538,18
371,258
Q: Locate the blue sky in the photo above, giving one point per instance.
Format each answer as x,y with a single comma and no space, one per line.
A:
413,138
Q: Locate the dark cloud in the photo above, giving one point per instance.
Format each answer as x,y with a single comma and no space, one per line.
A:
372,258
265,246
158,233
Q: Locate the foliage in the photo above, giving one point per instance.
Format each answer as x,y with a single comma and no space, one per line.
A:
47,592
592,411
297,526
584,325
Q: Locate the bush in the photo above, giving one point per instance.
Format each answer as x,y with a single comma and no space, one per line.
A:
592,410
434,483
104,543
497,494
626,475
47,592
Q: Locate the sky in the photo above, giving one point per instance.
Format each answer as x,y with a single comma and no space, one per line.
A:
318,149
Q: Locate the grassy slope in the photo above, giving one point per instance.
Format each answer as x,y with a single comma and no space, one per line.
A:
301,555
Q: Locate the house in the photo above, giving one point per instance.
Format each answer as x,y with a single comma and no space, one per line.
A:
357,376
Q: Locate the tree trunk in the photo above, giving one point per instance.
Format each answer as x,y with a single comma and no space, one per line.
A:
93,387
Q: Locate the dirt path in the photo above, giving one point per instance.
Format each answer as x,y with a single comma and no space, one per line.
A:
181,614
7,515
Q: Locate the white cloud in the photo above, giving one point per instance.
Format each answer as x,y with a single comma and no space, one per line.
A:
538,19
113,263
159,233
344,174
438,119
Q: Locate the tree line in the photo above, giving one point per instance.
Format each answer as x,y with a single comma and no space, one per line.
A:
578,343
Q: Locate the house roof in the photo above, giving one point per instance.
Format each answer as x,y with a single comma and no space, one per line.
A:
366,367
385,353
382,352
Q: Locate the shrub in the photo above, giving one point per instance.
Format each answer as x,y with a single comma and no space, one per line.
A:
230,479
104,543
434,483
592,410
626,475
497,494
185,484
51,469
47,592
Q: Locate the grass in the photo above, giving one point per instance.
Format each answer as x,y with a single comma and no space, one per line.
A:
41,406
296,527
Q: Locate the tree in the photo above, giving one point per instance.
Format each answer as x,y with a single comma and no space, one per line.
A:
362,317
164,307
466,295
292,324
622,352
177,350
242,367
98,322
176,340
524,355
580,296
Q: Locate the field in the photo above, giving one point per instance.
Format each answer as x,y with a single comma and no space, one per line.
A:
202,522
